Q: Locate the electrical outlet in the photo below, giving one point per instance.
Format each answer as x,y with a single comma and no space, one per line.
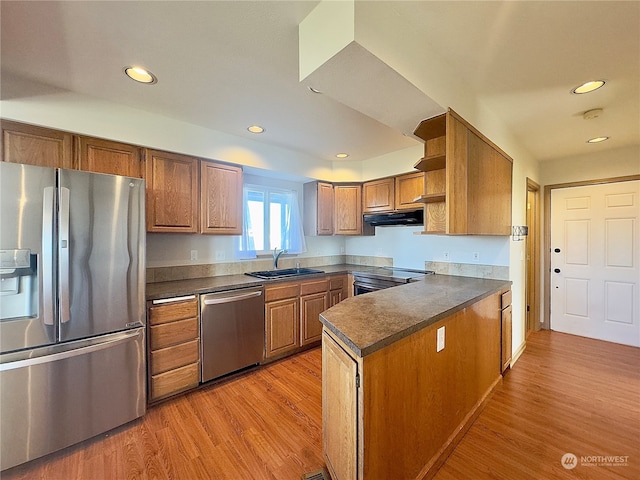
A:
194,255
445,255
220,255
476,256
440,339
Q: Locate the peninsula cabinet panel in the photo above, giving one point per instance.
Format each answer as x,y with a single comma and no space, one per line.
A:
105,156
423,420
347,209
506,331
172,192
31,145
339,410
378,195
221,191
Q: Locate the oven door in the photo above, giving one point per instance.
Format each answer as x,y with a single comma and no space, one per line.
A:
367,284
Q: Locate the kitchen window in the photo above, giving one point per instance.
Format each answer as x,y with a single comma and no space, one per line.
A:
271,220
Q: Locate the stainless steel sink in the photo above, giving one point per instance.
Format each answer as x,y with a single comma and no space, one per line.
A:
285,272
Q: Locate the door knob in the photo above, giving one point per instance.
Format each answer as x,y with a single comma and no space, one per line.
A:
557,250
557,270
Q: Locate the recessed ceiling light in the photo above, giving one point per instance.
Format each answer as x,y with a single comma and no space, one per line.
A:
597,139
588,87
255,129
314,90
342,155
141,75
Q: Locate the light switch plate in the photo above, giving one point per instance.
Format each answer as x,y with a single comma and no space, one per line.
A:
440,339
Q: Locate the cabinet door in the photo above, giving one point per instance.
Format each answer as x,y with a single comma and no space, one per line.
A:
221,207
311,306
114,158
506,337
379,195
39,146
339,410
325,209
408,188
172,192
282,323
347,209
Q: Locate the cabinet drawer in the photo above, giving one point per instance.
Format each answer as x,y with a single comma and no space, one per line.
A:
317,286
280,292
170,312
175,381
337,283
505,299
174,357
168,334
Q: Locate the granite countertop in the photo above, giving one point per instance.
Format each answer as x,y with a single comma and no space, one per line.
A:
229,282
367,323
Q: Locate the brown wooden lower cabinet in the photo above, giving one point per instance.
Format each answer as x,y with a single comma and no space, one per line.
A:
399,411
507,320
314,299
292,312
174,381
174,347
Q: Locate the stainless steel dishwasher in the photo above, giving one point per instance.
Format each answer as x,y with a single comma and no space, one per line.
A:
231,331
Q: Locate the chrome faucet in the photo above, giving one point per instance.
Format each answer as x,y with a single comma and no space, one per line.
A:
276,256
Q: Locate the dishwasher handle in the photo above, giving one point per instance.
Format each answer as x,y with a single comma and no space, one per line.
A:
216,300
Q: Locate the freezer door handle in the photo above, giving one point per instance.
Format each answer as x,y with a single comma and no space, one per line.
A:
48,301
74,352
63,255
212,300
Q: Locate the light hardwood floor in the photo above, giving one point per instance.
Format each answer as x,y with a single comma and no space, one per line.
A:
566,394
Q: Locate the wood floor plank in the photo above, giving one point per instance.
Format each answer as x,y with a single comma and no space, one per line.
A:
566,394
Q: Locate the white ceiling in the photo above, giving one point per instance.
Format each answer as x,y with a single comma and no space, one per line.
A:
225,65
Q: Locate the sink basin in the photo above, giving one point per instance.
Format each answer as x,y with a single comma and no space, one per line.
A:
285,272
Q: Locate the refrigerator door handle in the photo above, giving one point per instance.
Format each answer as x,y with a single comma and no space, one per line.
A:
63,255
48,298
74,352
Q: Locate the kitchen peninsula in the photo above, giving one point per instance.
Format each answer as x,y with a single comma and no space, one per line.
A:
406,371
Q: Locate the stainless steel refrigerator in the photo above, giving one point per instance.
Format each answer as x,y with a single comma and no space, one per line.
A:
72,307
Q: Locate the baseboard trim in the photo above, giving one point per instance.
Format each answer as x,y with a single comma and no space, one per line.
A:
518,352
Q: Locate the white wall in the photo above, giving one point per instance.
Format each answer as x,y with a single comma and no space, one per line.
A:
597,165
410,249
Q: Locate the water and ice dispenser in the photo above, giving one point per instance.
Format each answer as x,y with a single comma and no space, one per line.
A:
18,284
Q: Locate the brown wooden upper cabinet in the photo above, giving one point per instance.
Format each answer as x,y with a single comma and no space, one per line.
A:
347,214
468,179
378,195
318,208
409,188
221,198
105,156
172,192
402,192
31,145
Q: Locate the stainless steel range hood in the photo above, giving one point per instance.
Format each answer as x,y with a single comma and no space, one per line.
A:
413,217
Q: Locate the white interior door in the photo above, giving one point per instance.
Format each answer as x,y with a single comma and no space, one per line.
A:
595,261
